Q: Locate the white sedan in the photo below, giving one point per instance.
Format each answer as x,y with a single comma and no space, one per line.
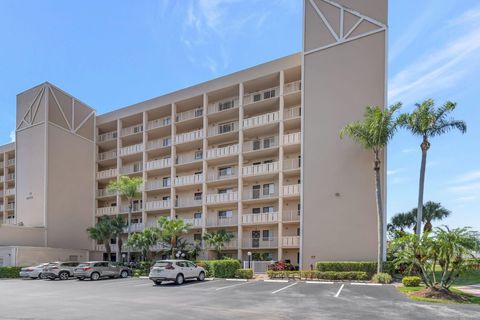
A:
175,270
34,272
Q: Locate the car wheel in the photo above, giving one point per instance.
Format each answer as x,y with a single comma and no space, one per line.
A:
63,275
81,279
158,282
42,276
95,276
201,276
179,279
124,274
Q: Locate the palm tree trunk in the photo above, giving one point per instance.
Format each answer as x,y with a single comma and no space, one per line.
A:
174,245
108,250
424,146
378,193
130,205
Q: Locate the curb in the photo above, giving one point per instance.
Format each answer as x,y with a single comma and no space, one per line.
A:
241,280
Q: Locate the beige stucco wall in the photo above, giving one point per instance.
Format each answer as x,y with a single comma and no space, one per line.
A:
28,256
11,235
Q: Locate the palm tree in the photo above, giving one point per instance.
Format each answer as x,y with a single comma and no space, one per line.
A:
373,134
171,229
432,211
128,188
400,222
218,240
144,240
118,224
427,122
102,232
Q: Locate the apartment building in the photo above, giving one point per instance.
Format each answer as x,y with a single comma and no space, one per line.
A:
256,153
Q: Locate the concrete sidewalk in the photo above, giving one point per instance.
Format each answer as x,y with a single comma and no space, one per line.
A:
473,289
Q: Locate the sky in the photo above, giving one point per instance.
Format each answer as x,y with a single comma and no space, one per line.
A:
112,54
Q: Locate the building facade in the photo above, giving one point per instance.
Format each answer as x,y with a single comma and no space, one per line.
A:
256,153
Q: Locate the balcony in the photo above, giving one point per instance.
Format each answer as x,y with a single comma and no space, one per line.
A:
159,143
1,164
136,207
107,155
291,242
158,164
188,202
10,206
261,95
157,184
222,175
291,216
187,180
10,192
292,113
222,152
2,207
223,105
261,243
291,87
189,136
106,174
292,138
222,128
261,120
291,190
10,162
260,144
11,221
132,168
10,176
105,193
190,114
159,123
136,148
108,136
259,218
101,248
222,221
158,205
260,169
132,130
194,222
216,198
291,164
189,157
107,211
254,194
2,178
134,227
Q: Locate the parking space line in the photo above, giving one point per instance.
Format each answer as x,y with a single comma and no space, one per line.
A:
365,284
234,285
339,290
282,281
319,282
290,285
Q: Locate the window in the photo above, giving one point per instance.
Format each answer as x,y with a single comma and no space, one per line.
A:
268,209
198,155
225,190
165,198
182,264
266,235
190,264
268,189
197,237
101,264
138,129
226,127
255,210
197,196
198,112
197,215
298,231
166,181
166,142
256,191
113,241
225,171
268,142
137,167
256,144
257,97
268,161
167,121
222,214
224,105
269,94
298,208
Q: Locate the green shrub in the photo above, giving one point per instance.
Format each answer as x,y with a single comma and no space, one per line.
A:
382,278
244,273
220,268
370,267
10,272
320,275
411,281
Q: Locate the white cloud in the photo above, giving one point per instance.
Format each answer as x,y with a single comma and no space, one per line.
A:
12,136
408,150
468,177
466,186
394,171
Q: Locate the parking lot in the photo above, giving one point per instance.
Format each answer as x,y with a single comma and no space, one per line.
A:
134,298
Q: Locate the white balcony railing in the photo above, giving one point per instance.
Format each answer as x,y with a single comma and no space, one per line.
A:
136,207
222,175
189,136
292,87
291,241
291,190
261,120
222,221
2,178
222,197
136,148
105,193
158,123
218,129
132,130
253,194
107,155
261,95
190,179
132,168
101,248
292,113
10,162
223,105
11,221
262,242
107,211
105,174
292,138
10,206
189,157
10,176
10,192
157,184
194,222
188,202
190,114
134,227
158,164
259,169
260,144
222,152
291,164
291,216
258,218
108,136
158,204
2,207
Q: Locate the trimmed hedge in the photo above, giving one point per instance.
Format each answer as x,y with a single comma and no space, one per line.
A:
244,273
382,278
370,267
10,272
220,268
321,275
411,281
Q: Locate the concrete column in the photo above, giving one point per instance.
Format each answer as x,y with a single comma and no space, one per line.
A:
280,165
173,170
240,166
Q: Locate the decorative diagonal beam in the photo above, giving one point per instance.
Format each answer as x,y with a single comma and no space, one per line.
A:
325,21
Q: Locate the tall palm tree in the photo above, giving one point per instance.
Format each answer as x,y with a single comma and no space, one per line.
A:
128,188
427,121
102,232
171,229
373,133
218,240
431,211
144,240
400,222
118,224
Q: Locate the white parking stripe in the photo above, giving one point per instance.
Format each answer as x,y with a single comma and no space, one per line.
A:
339,290
365,284
291,285
282,281
235,285
320,282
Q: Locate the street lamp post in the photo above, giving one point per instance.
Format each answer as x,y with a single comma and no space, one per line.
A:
249,254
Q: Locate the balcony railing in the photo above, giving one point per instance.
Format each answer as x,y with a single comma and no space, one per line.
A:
261,95
291,216
259,169
190,114
108,136
107,155
132,130
10,192
10,176
158,123
11,221
291,164
261,120
101,248
105,193
105,174
136,148
1,164
292,112
220,175
223,105
222,152
134,227
188,157
222,221
190,179
187,202
2,178
222,197
250,194
10,162
107,211
292,87
290,241
189,136
10,206
132,168
218,129
291,190
157,184
158,164
258,218
158,204
159,143
292,138
260,144
194,222
263,242
135,208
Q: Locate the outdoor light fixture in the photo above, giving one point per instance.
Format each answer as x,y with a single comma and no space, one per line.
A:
249,254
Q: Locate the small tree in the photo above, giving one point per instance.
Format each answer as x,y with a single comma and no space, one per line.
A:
171,229
218,240
102,232
142,241
118,224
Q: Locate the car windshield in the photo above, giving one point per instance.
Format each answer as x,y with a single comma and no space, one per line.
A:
41,265
162,264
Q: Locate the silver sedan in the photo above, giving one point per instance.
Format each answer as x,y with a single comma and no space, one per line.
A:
35,272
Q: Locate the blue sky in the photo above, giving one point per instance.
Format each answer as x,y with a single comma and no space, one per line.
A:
114,53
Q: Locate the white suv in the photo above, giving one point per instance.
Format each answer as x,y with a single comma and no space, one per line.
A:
175,270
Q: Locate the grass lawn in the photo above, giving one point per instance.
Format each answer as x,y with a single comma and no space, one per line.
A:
469,277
